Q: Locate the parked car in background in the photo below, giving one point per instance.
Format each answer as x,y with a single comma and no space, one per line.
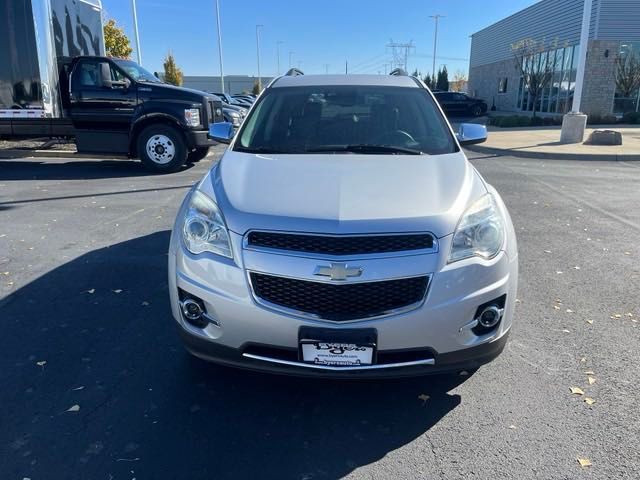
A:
460,103
344,233
230,100
243,100
233,114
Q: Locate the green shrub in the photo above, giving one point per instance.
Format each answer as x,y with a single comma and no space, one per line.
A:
632,118
601,119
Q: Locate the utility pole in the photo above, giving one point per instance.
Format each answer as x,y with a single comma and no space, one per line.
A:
290,57
435,43
220,47
258,51
574,122
326,68
346,67
135,31
278,43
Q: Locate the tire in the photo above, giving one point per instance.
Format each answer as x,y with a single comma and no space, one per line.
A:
162,148
476,110
198,154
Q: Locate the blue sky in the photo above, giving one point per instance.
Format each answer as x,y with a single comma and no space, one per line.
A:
319,32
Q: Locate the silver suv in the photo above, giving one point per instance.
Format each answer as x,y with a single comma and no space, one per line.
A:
344,233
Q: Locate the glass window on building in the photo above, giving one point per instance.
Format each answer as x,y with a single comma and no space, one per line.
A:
627,97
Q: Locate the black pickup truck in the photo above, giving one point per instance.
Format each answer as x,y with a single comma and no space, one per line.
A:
55,81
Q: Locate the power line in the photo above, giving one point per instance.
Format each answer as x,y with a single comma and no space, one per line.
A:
400,53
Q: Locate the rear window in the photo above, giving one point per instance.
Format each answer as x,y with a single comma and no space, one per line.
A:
312,118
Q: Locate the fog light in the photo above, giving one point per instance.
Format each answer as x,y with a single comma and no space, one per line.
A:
192,310
490,316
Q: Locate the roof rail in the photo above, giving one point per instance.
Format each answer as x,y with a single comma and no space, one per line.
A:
399,72
294,72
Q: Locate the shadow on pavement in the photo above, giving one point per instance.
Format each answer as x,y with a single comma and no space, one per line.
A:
54,169
148,410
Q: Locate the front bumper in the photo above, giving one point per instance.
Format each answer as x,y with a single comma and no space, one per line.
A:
199,138
242,329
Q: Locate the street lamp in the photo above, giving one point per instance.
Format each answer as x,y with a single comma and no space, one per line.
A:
258,27
135,31
278,43
290,57
574,122
220,47
435,43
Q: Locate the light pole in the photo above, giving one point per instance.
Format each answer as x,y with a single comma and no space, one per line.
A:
574,122
290,57
258,50
220,47
278,43
435,43
135,31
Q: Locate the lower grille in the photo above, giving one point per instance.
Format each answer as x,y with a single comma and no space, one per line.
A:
346,301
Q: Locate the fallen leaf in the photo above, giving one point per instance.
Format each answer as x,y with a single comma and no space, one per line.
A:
590,322
589,372
119,290
547,251
145,303
78,388
576,390
591,380
566,331
91,290
74,408
584,462
424,397
583,359
617,315
556,307
512,427
628,314
589,401
627,253
569,310
463,373
559,272
41,363
576,267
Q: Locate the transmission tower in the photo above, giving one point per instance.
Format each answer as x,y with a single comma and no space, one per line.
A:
400,53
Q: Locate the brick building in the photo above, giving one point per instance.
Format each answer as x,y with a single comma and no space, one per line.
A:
614,32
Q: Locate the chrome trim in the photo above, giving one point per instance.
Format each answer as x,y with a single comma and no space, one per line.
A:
337,271
297,313
426,361
204,315
328,257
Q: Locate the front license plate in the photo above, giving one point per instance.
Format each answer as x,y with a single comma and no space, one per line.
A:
337,354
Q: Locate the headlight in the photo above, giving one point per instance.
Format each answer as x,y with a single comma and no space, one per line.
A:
480,232
234,114
192,116
204,229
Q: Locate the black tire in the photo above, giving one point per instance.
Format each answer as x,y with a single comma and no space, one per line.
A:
476,110
168,147
198,154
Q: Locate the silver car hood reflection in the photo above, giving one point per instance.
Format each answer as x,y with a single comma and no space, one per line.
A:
343,193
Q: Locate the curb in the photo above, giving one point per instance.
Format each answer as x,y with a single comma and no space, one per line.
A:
603,157
24,153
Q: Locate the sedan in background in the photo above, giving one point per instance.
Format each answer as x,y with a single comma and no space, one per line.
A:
455,103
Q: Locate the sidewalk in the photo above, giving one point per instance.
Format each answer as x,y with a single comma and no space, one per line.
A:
544,142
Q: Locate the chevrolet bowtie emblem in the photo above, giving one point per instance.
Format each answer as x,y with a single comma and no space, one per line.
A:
338,271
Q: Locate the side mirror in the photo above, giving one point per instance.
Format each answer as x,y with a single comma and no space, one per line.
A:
105,75
471,133
221,132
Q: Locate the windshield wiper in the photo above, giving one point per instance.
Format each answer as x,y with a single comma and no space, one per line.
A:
365,148
257,150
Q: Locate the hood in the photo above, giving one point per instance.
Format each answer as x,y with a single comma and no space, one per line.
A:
159,90
343,193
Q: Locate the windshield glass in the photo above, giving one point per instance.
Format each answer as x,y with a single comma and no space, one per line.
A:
346,119
136,72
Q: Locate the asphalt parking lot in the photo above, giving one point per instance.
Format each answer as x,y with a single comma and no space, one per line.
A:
96,385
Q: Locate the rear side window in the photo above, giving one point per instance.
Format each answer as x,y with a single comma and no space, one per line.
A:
306,119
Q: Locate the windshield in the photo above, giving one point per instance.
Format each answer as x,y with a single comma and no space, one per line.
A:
346,119
136,72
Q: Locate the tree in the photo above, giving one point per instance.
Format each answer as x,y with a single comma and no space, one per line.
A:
459,82
536,70
442,81
428,81
172,74
116,42
416,73
627,75
256,88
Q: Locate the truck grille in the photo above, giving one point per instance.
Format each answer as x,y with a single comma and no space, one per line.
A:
340,244
339,302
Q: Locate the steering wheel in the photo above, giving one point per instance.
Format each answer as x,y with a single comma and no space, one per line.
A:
399,136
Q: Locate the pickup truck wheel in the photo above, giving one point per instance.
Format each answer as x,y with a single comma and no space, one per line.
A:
198,154
162,148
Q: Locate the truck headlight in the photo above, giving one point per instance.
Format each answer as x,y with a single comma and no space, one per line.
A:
204,229
192,116
480,231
